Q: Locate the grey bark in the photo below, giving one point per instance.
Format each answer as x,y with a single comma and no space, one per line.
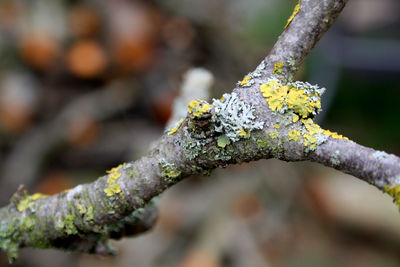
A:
210,136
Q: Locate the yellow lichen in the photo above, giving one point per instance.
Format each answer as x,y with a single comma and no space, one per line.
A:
198,107
295,117
296,98
334,135
278,67
243,133
26,201
174,130
309,137
394,191
295,11
245,80
113,187
299,102
275,94
294,135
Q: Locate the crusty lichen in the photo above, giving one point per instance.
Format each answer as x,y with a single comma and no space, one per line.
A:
198,107
112,186
295,11
28,200
394,191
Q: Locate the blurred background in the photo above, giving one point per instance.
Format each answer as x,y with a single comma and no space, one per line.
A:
86,85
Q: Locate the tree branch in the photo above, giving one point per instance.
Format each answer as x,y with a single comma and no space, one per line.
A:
266,116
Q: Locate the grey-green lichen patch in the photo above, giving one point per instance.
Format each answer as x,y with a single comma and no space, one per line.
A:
380,155
87,212
223,141
234,118
194,147
169,171
67,224
335,158
9,235
13,231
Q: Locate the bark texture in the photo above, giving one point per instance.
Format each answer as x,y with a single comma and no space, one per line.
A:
266,116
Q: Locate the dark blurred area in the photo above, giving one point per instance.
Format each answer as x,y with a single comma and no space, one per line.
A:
86,85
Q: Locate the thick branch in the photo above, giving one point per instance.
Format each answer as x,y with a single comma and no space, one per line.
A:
264,117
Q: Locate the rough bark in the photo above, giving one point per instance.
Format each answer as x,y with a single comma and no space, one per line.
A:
243,126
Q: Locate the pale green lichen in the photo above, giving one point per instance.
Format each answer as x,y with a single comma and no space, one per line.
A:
67,224
112,186
9,233
273,134
295,11
233,118
169,171
90,214
28,200
198,107
87,212
223,141
81,209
